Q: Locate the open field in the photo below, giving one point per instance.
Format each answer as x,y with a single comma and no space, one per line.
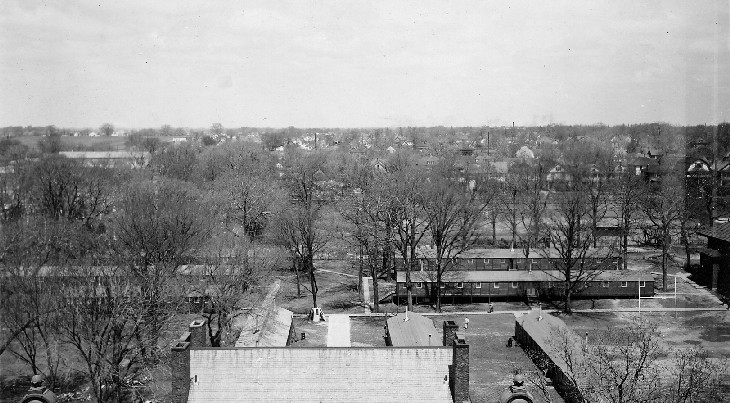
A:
80,143
708,330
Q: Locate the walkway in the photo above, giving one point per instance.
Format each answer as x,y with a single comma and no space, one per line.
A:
338,331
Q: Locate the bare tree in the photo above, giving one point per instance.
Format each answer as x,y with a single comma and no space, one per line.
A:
28,300
409,219
626,190
62,188
664,207
532,206
248,202
697,377
617,365
230,272
104,310
176,161
107,129
569,252
156,228
598,200
453,213
298,226
371,212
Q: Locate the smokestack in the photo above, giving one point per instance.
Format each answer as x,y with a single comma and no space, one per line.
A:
450,328
459,370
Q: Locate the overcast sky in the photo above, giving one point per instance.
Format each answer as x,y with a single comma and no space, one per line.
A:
363,63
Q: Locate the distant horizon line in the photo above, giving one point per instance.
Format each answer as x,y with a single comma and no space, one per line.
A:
599,124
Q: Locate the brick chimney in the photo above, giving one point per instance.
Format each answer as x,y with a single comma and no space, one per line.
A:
450,328
459,370
180,360
180,369
198,336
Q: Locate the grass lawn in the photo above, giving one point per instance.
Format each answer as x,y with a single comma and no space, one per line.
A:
367,331
337,294
709,330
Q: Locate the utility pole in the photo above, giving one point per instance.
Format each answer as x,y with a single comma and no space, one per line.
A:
487,143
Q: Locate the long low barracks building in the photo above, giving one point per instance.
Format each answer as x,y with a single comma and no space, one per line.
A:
507,274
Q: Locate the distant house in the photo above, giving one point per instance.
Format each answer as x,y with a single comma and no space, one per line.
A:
558,178
365,374
132,159
653,153
640,165
377,165
390,150
428,162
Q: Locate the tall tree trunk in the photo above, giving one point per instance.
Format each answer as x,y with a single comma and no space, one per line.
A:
685,243
411,265
568,302
665,251
376,297
438,287
299,281
309,264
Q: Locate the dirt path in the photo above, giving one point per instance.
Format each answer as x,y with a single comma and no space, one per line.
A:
338,331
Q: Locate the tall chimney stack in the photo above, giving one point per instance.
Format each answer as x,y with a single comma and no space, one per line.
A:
459,371
180,368
180,360
450,328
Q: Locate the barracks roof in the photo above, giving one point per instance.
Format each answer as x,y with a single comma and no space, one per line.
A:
498,276
320,374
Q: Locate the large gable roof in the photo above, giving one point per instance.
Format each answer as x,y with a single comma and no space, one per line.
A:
320,374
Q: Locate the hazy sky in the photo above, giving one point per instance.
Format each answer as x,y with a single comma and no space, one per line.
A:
363,63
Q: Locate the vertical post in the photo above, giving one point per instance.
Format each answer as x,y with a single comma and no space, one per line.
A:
638,284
